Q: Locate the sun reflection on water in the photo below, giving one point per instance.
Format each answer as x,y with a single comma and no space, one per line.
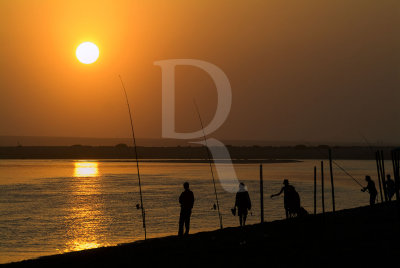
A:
86,169
85,219
81,245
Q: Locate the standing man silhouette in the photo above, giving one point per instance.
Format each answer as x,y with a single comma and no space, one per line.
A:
291,199
371,190
243,203
390,187
186,199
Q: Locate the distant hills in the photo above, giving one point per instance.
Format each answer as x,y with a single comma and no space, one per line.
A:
90,141
69,141
238,153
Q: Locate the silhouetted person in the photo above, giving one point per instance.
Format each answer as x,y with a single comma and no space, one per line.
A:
243,204
390,187
291,199
371,190
186,199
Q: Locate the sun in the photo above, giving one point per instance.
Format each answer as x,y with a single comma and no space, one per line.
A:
87,52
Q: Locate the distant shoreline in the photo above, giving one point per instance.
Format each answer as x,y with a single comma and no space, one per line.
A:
202,161
177,161
195,154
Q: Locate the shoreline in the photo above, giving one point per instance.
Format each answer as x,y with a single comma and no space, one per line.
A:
206,161
348,237
244,153
183,161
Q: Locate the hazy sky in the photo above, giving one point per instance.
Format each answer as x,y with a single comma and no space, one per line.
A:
299,70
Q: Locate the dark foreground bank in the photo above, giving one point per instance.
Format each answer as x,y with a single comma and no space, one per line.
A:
361,237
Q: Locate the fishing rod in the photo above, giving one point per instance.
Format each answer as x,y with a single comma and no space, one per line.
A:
341,168
369,145
209,161
378,165
348,174
137,161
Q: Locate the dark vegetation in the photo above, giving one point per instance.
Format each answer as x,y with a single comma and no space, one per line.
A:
122,151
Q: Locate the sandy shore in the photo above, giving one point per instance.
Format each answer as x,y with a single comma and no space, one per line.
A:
363,237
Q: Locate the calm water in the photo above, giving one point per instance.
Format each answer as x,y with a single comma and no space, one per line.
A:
54,206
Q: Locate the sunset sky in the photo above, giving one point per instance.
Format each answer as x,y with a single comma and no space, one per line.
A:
307,70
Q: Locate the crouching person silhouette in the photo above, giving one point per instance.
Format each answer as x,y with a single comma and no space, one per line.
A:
186,199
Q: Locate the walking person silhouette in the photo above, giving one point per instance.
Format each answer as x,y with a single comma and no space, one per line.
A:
371,190
243,203
186,199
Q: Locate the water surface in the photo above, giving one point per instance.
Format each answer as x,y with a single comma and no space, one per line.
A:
55,206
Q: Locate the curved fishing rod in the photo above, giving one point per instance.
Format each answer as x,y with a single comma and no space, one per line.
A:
378,166
348,174
137,160
369,145
341,168
209,161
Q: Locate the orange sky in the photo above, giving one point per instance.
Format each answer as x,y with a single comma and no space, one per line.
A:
299,70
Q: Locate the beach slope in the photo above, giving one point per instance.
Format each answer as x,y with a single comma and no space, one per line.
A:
362,237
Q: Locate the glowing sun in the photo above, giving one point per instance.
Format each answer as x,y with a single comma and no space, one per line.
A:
87,52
